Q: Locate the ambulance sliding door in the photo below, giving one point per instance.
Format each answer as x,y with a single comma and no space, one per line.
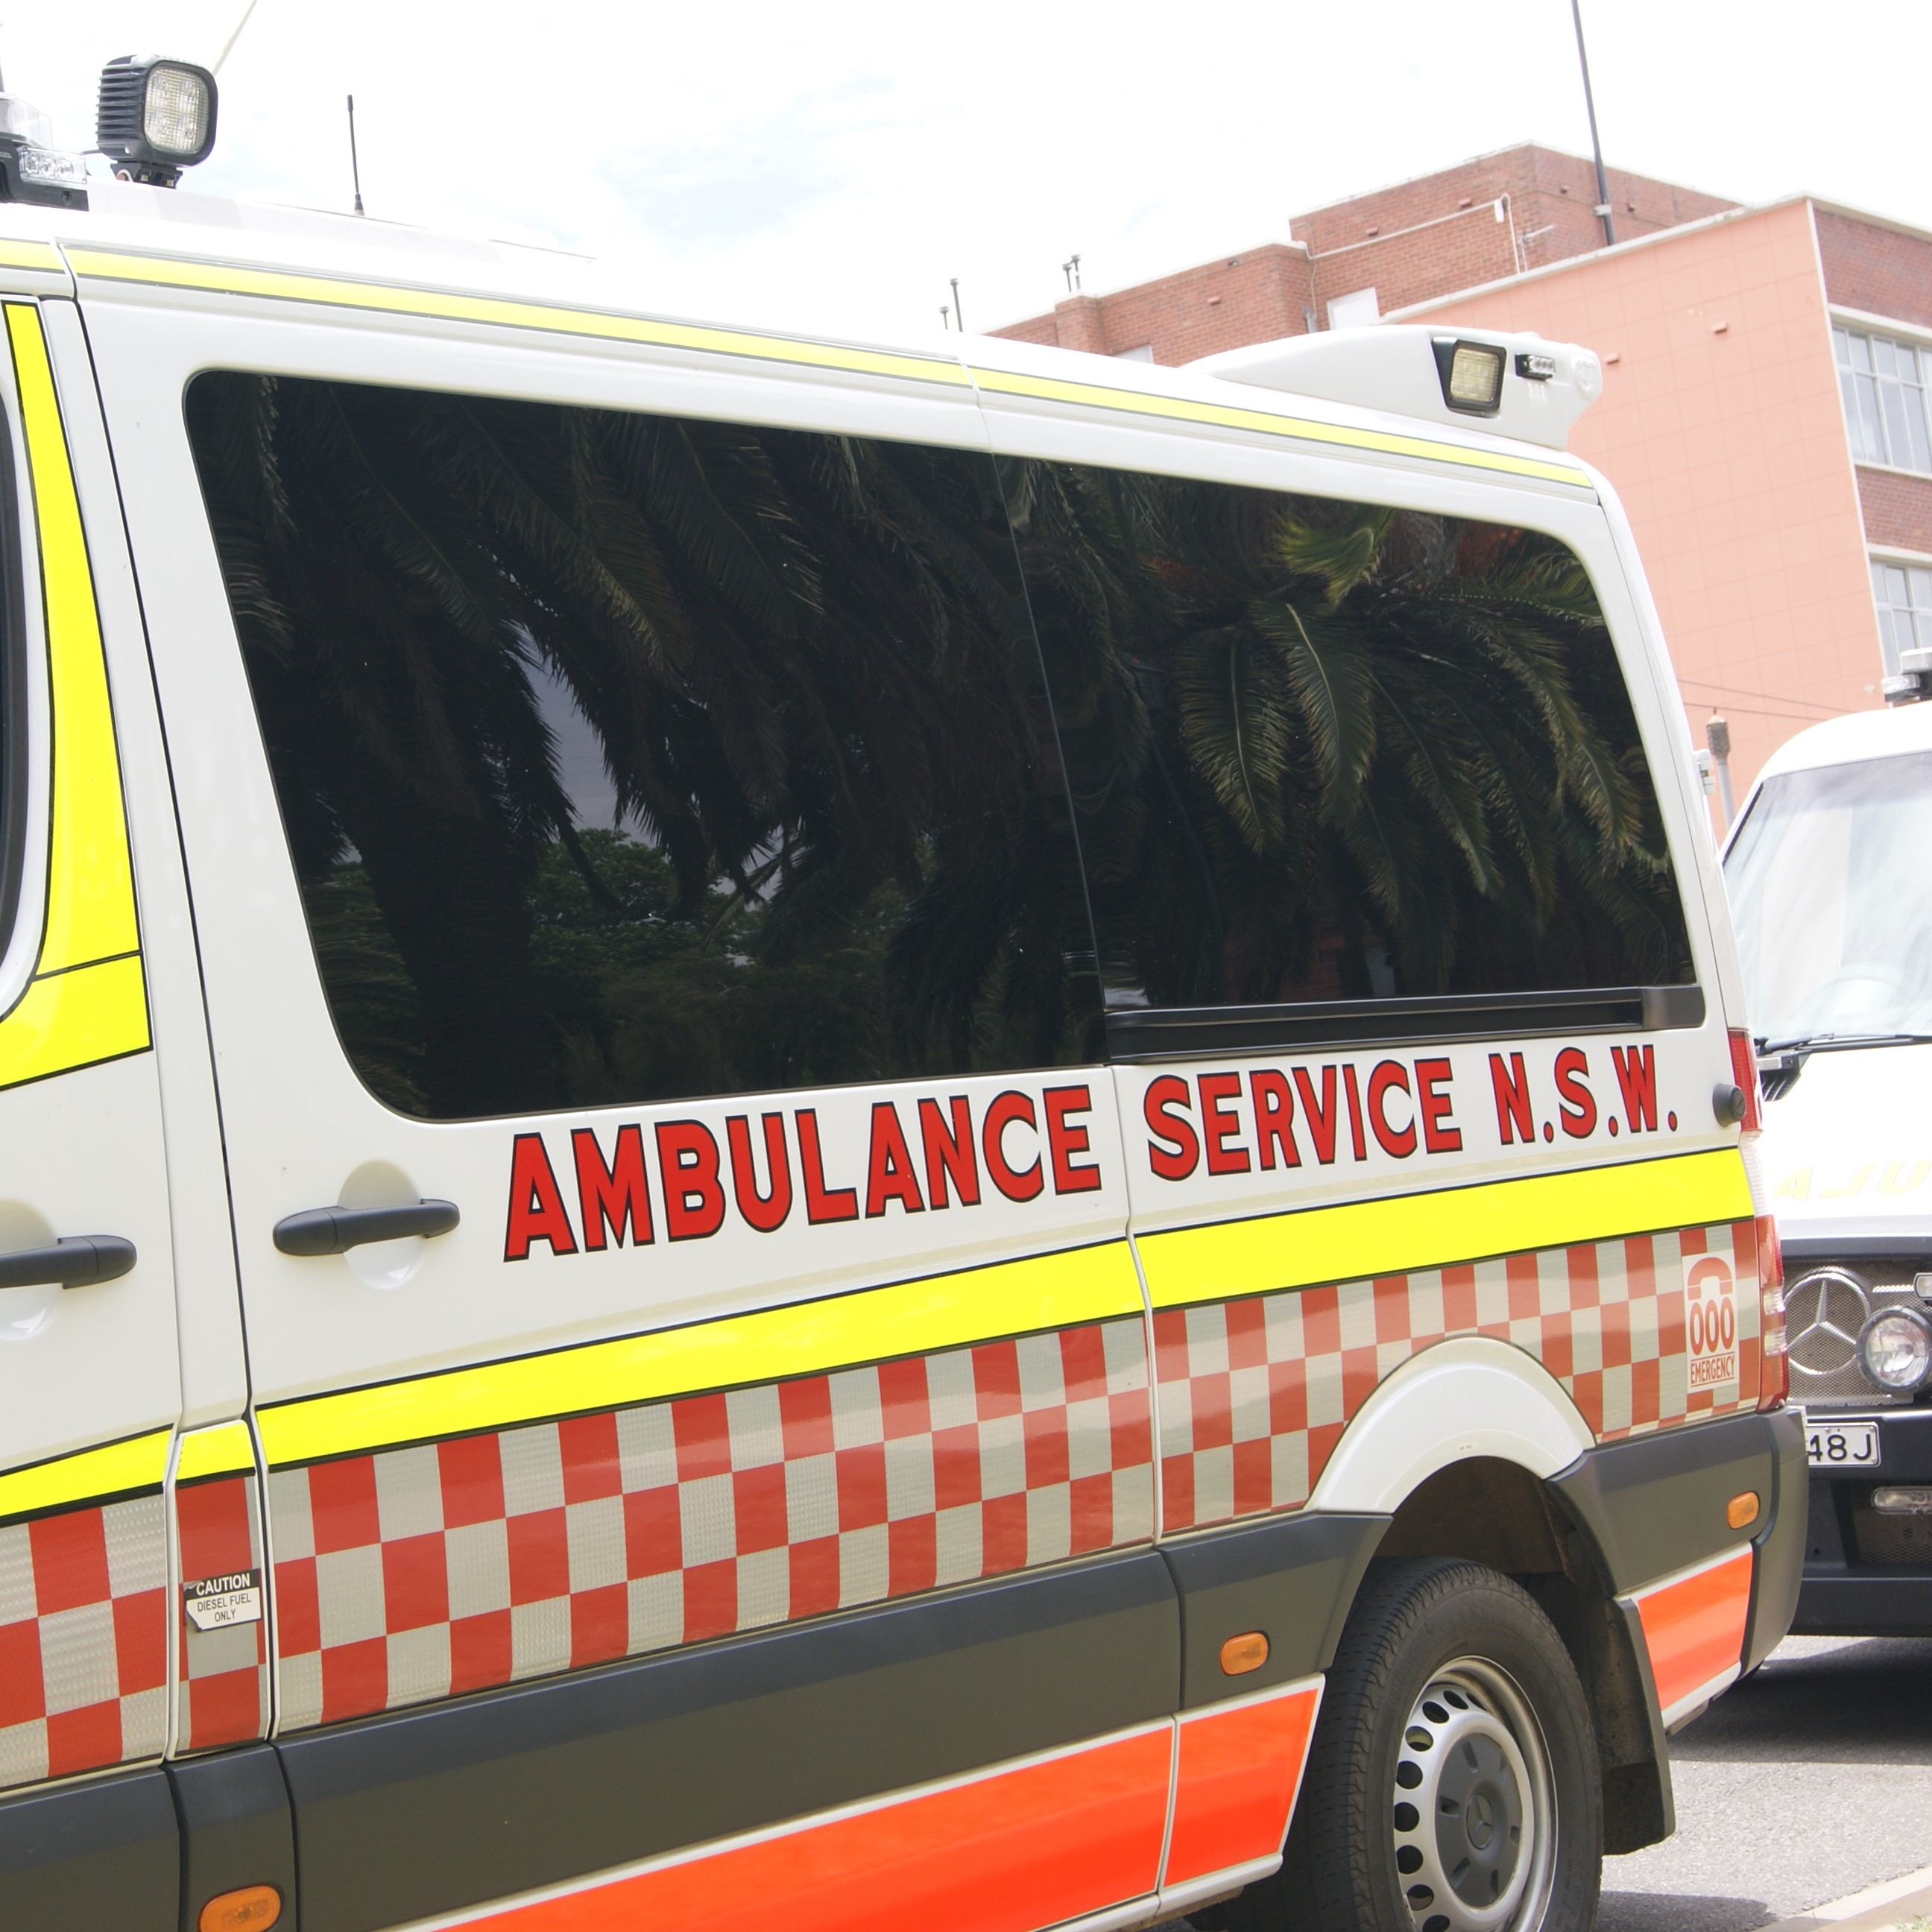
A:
677,1194
1406,1011
89,1392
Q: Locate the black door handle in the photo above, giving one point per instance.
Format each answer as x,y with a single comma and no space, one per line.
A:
334,1231
78,1261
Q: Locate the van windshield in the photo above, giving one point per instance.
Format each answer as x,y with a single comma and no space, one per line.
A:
1830,878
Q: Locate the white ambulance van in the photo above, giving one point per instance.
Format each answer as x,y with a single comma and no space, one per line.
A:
802,1135
1830,884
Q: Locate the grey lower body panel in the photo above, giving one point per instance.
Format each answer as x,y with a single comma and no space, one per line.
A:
426,1811
106,1852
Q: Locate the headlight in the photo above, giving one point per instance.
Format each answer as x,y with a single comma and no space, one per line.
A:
1895,1349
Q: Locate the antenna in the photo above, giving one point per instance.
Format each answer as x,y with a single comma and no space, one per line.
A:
945,316
354,167
228,45
958,313
1603,209
1070,268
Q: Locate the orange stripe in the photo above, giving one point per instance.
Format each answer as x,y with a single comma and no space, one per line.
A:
1005,1853
1240,1768
1695,1628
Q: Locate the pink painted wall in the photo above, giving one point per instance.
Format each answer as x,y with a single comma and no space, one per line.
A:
1721,427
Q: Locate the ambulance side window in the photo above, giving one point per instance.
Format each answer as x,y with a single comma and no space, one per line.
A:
13,673
624,758
1322,750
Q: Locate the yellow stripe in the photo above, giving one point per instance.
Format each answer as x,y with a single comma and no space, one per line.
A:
75,1019
219,1451
88,1001
30,255
1093,395
1430,1231
139,1464
224,278
388,298
913,1317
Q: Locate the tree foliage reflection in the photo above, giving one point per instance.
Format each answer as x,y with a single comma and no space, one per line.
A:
1311,747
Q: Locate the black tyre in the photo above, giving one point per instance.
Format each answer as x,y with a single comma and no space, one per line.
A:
1453,1784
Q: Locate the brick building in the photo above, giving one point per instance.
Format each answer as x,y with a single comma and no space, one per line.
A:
1496,216
1765,414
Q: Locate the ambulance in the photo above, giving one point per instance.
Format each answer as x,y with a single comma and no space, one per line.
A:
1829,879
800,1134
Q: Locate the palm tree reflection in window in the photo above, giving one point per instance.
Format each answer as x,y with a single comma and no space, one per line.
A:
1324,750
833,844
624,757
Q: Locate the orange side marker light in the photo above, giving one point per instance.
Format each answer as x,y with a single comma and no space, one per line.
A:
1241,1654
253,1909
1741,1510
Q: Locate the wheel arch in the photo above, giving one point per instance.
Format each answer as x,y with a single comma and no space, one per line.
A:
1459,1449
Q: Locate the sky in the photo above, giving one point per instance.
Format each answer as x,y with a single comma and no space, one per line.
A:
833,166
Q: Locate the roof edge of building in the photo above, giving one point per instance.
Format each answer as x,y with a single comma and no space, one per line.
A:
1662,235
1146,282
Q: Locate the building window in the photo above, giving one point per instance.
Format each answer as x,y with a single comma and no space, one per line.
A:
1883,384
1904,594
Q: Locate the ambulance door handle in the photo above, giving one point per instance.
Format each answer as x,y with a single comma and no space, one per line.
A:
334,1231
78,1261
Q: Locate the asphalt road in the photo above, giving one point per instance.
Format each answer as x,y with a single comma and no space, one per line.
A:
1806,1783
1809,1782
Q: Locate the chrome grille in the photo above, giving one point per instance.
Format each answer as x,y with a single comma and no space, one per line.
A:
1826,1303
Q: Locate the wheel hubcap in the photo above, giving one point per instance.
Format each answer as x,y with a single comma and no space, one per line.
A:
1473,1809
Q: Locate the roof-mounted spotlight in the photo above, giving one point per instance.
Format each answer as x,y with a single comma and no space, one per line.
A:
156,117
1472,374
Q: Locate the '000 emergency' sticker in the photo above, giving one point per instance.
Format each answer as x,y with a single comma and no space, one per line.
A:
1711,1317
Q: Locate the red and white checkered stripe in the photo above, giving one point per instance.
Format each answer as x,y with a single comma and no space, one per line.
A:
223,1695
83,1639
1254,1394
417,1573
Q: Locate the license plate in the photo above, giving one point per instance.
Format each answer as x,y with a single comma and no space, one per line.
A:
1840,1444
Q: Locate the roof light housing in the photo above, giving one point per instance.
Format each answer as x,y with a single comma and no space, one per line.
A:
156,117
1503,383
31,168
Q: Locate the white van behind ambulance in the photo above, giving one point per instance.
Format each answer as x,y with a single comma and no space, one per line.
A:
1832,893
794,1133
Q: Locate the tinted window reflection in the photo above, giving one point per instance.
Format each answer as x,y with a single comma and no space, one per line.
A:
624,758
1322,750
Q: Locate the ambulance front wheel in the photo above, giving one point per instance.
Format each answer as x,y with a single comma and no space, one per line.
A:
1453,1784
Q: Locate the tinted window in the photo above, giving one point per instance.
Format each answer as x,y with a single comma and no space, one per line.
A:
1322,751
13,696
624,758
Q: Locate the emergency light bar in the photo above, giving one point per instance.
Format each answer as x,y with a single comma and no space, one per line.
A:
31,168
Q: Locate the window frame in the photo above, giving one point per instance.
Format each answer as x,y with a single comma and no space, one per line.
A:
25,803
1884,388
1907,565
16,750
1142,1034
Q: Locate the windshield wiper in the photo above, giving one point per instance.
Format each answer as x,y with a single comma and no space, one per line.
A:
1839,1043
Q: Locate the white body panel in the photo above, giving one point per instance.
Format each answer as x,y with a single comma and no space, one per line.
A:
317,1324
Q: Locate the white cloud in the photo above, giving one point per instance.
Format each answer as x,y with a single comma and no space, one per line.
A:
835,165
